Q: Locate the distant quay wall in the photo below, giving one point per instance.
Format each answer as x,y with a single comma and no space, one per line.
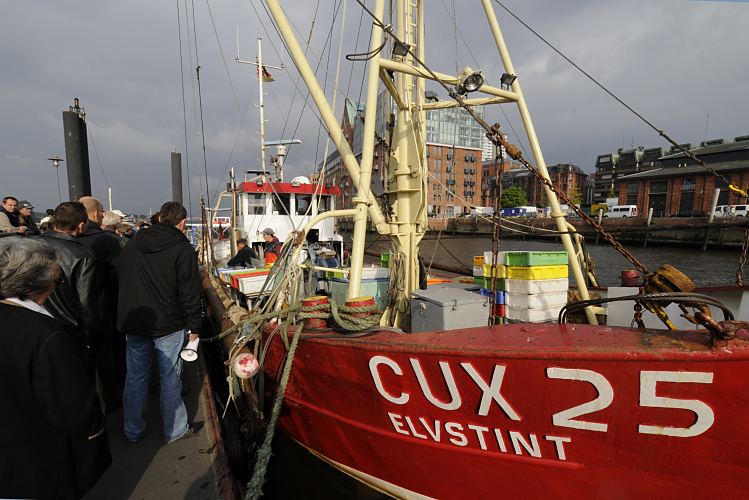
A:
693,231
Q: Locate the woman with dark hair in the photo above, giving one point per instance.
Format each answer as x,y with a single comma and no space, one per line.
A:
52,433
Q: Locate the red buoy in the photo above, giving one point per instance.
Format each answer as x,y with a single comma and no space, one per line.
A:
630,277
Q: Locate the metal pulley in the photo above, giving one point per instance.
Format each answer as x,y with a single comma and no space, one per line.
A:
664,280
668,279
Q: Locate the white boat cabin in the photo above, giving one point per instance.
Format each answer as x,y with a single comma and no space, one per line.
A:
284,207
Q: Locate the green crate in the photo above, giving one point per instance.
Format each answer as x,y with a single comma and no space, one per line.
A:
487,283
536,258
385,259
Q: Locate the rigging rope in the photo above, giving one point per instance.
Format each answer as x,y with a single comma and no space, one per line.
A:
184,108
200,105
740,192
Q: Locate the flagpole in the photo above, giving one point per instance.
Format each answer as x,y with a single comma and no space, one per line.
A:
262,107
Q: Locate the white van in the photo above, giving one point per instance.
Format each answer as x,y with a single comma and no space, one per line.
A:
621,212
740,210
724,211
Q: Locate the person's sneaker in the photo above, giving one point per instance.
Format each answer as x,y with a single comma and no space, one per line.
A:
193,429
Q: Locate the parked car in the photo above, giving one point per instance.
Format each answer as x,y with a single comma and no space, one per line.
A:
740,210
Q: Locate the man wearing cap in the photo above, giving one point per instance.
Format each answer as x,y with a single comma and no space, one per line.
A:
9,222
272,245
26,219
244,256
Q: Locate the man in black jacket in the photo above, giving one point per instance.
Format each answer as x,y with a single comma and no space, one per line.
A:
244,256
77,301
159,304
106,248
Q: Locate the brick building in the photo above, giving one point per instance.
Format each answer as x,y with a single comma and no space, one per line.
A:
490,170
611,167
455,176
454,151
677,186
567,177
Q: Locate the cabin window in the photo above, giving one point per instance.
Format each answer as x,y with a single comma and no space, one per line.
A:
255,204
323,203
281,203
303,202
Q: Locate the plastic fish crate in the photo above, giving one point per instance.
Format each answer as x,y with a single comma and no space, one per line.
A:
499,271
537,315
536,258
536,272
385,259
499,311
487,283
536,286
478,271
500,257
478,260
539,300
499,295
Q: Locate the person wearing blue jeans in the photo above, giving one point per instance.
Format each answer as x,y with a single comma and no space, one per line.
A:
174,414
159,304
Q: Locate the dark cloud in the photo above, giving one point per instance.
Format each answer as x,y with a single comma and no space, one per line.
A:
674,61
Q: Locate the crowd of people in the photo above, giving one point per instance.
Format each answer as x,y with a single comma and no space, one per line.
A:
84,304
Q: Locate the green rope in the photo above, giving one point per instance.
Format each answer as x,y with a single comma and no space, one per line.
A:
255,486
250,328
345,320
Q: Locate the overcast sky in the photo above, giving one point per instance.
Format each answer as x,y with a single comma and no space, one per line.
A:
675,61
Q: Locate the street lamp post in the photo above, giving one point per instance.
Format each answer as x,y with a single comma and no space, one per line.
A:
56,163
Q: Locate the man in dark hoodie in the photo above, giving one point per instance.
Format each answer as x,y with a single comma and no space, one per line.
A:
159,304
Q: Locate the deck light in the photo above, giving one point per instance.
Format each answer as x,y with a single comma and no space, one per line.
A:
401,49
507,79
469,81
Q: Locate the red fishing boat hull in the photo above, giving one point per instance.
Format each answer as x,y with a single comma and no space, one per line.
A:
524,411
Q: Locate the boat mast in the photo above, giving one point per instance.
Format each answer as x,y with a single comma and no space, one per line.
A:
404,78
365,201
262,106
530,131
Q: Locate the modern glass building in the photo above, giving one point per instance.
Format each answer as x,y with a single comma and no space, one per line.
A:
455,127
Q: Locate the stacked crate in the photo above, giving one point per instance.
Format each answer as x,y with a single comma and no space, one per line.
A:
535,286
500,271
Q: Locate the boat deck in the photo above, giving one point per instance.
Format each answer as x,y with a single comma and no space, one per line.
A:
152,469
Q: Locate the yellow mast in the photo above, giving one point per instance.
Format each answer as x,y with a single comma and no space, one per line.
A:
406,184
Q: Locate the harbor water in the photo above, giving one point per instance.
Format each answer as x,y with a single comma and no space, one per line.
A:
710,268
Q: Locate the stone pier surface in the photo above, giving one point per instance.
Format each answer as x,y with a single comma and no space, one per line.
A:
152,469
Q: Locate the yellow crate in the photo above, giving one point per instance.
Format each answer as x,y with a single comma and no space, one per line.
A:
499,271
537,272
478,260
